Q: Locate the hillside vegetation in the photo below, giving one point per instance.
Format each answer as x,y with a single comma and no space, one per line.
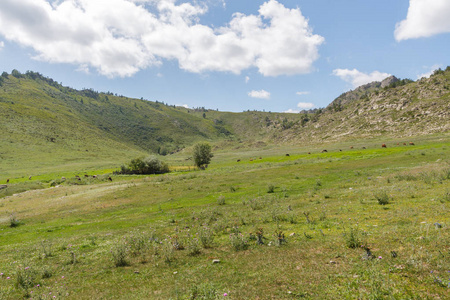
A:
46,126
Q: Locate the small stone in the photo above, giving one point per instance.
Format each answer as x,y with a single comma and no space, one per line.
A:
292,234
136,272
216,261
332,262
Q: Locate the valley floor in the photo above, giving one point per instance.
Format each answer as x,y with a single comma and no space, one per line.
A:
353,224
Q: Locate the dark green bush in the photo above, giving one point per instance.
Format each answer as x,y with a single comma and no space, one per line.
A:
149,165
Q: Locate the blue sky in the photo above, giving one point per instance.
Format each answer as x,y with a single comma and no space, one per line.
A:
231,55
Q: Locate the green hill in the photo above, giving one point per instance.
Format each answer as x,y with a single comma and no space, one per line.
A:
47,127
44,123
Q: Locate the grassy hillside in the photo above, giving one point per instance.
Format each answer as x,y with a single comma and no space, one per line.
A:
400,110
45,124
354,224
47,127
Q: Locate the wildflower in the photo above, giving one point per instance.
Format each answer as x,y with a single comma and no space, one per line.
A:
379,257
38,285
26,268
225,294
1,274
62,277
8,277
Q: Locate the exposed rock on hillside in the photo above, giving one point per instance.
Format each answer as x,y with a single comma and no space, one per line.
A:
392,107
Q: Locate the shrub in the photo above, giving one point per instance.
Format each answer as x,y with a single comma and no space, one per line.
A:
13,221
221,200
206,236
47,248
149,165
119,255
25,277
138,243
270,188
256,204
167,251
193,245
238,242
353,239
382,198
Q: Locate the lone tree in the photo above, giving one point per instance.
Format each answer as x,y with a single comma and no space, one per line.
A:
202,155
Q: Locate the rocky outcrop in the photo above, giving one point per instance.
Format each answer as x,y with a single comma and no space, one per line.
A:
388,81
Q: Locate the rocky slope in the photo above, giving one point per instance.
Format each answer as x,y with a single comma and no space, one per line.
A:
395,108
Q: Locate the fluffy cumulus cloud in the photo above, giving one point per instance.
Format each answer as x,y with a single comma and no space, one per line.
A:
425,18
301,106
121,37
262,94
357,78
305,105
2,44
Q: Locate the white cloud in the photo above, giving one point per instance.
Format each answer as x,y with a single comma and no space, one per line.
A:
183,105
357,78
305,105
84,69
121,37
425,18
262,94
302,93
247,79
2,44
429,73
291,111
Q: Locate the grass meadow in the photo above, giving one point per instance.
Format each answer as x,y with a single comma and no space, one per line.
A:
354,223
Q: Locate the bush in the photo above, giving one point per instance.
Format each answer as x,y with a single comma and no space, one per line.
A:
238,242
193,245
353,239
149,165
206,236
382,198
13,221
119,255
25,277
202,155
221,200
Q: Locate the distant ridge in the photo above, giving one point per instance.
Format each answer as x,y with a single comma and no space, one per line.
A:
392,108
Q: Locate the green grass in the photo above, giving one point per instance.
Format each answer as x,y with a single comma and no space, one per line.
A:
141,237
